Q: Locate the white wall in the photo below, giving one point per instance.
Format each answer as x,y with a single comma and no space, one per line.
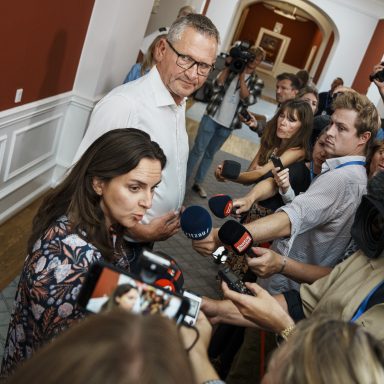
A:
167,12
111,46
222,12
355,32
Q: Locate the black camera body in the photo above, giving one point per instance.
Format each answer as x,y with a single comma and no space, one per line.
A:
379,76
368,227
233,281
240,57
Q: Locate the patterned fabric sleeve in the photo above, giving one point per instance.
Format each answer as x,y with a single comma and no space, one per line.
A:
50,282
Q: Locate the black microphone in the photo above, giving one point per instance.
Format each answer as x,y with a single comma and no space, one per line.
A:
231,169
220,205
235,235
196,222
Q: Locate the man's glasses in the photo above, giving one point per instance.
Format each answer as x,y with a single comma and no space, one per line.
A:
186,62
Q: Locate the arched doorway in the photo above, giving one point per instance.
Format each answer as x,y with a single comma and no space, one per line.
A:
297,35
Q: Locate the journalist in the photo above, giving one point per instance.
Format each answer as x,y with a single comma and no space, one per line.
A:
235,88
353,291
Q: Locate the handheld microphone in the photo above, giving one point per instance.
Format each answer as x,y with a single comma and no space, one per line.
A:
196,222
231,169
220,205
235,235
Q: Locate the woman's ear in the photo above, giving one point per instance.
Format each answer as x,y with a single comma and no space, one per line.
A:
98,185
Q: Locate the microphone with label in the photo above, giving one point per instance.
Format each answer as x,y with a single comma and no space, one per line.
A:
220,205
236,236
196,222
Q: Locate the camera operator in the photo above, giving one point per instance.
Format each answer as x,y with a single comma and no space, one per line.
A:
235,88
353,291
377,77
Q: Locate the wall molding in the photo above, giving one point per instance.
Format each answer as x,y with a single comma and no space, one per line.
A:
8,174
58,122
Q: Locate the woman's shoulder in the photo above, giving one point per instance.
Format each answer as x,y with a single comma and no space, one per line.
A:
61,240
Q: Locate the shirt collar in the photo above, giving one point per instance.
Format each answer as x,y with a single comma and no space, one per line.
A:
330,164
161,93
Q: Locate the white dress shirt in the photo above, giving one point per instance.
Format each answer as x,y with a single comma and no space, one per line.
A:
146,104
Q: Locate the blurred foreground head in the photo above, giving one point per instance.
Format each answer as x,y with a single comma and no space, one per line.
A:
327,351
114,347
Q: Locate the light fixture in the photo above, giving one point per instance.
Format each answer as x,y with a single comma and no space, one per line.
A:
280,12
284,11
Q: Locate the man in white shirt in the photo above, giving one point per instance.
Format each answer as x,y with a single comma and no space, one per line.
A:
155,104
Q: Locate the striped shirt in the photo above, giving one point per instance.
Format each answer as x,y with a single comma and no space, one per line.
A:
321,218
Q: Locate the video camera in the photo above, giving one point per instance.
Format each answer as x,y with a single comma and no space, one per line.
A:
241,55
379,76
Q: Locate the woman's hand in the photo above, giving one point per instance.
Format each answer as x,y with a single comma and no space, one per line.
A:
241,205
281,178
252,122
218,171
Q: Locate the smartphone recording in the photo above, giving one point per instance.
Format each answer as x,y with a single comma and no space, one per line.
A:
194,307
106,287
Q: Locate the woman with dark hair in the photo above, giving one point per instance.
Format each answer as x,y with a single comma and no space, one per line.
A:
286,136
124,296
80,222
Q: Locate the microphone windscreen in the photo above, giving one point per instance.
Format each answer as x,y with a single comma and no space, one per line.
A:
220,205
196,222
231,169
235,235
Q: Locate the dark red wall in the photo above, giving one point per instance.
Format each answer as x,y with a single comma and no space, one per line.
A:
302,34
372,56
41,43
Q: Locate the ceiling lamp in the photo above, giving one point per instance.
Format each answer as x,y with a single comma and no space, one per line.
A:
285,13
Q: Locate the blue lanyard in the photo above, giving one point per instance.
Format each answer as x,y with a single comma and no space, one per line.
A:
356,162
364,304
311,171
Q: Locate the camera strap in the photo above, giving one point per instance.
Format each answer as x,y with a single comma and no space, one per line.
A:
363,305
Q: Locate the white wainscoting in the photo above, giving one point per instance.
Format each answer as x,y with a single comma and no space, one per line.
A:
37,145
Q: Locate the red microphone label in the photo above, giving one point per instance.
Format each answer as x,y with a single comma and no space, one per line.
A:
243,243
228,208
166,284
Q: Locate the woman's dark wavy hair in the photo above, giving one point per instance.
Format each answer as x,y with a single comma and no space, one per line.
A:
269,140
115,153
119,291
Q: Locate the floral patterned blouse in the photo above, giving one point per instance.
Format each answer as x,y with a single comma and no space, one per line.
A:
50,282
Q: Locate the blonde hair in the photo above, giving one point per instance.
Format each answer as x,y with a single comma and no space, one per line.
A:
150,58
328,351
367,116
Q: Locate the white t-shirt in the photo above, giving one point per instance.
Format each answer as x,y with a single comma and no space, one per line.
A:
225,113
146,104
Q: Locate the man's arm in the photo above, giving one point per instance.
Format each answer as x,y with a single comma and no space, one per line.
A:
265,229
260,310
160,228
266,263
